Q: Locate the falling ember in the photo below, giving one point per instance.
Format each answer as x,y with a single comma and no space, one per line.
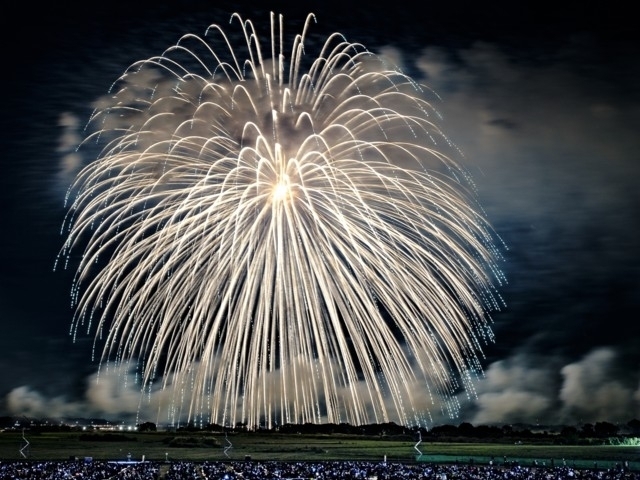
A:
285,240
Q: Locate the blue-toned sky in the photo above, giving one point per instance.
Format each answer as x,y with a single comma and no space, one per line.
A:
544,104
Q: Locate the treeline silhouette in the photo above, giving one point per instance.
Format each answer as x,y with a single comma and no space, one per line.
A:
567,434
463,432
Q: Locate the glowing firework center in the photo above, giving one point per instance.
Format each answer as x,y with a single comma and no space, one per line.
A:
364,300
282,190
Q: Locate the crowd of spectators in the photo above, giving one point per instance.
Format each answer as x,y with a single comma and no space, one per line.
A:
78,470
268,470
362,470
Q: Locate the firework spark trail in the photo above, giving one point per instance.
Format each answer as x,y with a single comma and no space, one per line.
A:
24,448
415,447
274,241
228,446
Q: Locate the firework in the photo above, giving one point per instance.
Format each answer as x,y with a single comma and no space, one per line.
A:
281,240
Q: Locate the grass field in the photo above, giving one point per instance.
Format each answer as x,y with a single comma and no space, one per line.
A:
162,446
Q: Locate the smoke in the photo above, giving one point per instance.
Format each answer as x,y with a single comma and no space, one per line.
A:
113,392
530,389
25,401
522,388
591,390
70,159
514,391
550,139
556,142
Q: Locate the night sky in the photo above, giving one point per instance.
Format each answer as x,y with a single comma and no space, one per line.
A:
544,105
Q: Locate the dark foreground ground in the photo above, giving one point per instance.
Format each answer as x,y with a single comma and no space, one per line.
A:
163,448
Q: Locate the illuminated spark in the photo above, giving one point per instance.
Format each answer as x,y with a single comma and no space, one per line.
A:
283,240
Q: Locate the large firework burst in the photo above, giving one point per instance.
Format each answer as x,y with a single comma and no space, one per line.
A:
287,240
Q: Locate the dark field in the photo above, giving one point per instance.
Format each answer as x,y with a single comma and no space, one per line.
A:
161,446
